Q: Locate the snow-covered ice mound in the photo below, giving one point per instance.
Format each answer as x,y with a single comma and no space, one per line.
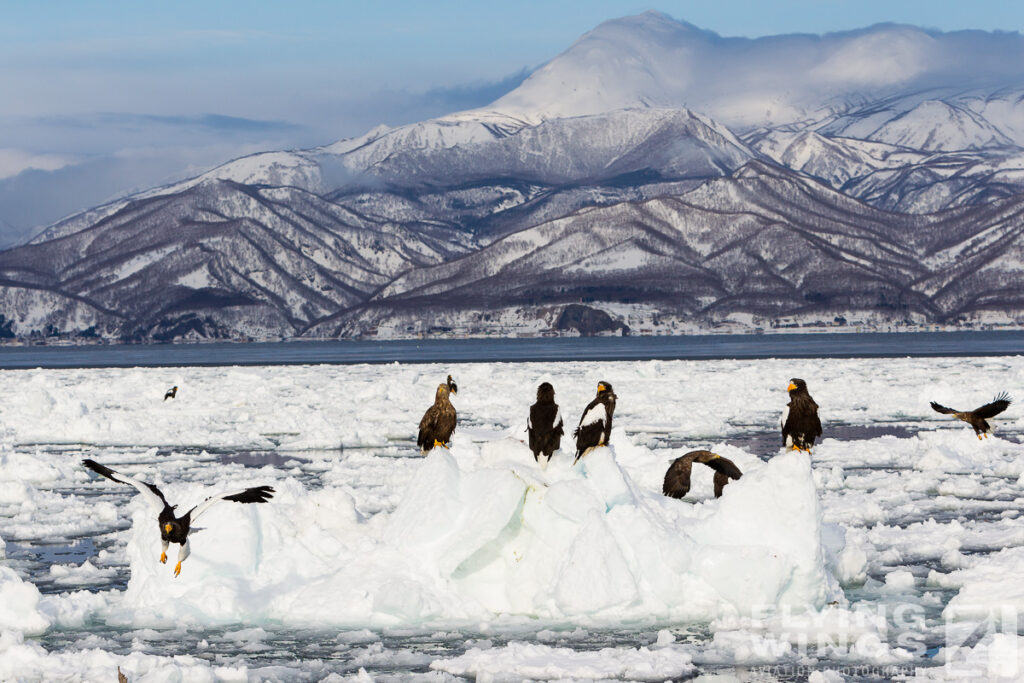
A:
485,534
19,605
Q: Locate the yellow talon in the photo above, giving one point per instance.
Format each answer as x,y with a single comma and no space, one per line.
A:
979,437
163,558
177,569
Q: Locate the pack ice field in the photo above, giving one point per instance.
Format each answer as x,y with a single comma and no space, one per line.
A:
895,547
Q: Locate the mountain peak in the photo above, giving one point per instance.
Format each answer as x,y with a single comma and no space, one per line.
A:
654,60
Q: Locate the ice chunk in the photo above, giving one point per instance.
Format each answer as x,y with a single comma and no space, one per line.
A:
520,661
28,661
19,605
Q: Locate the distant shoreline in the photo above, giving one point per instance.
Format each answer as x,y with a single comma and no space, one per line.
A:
532,349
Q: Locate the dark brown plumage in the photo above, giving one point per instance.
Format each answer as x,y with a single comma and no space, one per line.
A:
171,393
175,529
438,422
596,422
677,478
800,423
545,425
978,418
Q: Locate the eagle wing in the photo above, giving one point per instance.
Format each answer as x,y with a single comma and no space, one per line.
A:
428,426
256,494
998,405
943,409
152,495
801,418
724,466
677,478
595,412
783,419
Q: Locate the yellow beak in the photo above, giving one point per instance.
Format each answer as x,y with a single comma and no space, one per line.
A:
167,528
600,387
791,387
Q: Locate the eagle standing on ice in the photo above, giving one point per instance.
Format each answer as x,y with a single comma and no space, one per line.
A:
438,422
677,478
171,393
545,425
175,529
596,423
978,418
800,423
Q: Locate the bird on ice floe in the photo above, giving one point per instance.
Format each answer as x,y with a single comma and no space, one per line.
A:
677,478
596,423
171,393
978,418
175,529
438,422
800,423
545,425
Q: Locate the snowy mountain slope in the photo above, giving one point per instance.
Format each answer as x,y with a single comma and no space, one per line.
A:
897,178
269,259
460,150
763,242
674,143
835,160
963,129
933,125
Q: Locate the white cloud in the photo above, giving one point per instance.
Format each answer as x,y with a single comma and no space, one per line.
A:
14,161
887,57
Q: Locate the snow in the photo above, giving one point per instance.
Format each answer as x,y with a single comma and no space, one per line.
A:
860,555
19,605
519,661
937,126
28,661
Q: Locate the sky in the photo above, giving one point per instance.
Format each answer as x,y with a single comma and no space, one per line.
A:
104,98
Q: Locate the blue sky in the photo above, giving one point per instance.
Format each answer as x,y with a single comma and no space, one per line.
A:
116,96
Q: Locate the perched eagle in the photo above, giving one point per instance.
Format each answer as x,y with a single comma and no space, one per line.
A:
438,422
175,529
545,425
171,393
677,478
800,423
978,418
452,386
596,423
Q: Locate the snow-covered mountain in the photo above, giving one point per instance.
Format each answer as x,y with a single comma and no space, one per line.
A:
654,170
